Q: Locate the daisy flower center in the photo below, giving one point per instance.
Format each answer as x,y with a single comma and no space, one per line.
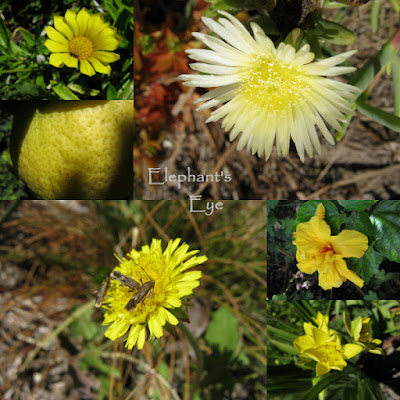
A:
80,47
270,82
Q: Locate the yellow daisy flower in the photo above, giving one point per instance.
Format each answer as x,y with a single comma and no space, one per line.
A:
318,251
268,92
167,282
82,38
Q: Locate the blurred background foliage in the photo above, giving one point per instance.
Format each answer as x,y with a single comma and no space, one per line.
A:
371,376
54,254
25,72
379,267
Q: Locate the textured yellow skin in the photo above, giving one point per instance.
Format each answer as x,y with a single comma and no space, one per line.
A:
75,149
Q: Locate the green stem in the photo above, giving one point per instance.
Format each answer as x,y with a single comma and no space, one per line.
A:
199,357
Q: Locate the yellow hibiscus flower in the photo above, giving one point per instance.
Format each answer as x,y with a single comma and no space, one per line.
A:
318,250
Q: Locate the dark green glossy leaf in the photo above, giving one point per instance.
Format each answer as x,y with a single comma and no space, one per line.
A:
366,266
360,222
356,205
386,220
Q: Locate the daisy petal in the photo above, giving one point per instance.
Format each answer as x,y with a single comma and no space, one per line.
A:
86,68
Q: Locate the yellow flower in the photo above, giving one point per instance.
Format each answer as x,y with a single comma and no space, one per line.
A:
268,92
171,283
318,250
325,348
360,332
85,38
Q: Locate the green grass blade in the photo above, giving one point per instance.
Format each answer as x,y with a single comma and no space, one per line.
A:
384,118
374,15
396,84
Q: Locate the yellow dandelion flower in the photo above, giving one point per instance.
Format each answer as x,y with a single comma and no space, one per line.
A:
82,38
325,348
167,282
318,251
268,92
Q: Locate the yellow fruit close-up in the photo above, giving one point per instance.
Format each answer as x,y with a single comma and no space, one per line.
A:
75,149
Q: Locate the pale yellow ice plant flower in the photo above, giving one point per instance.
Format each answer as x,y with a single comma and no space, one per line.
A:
172,281
318,251
323,346
268,92
360,331
82,39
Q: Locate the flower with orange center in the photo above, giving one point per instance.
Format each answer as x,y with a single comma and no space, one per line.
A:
318,251
82,38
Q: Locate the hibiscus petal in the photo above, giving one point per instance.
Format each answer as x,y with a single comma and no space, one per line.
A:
345,273
350,243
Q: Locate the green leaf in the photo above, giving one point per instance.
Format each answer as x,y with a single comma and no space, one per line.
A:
126,92
376,114
279,297
111,93
371,296
5,37
28,37
367,265
325,381
111,9
360,222
374,15
356,205
123,20
396,85
335,33
283,346
62,91
223,332
332,215
365,75
281,334
386,220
